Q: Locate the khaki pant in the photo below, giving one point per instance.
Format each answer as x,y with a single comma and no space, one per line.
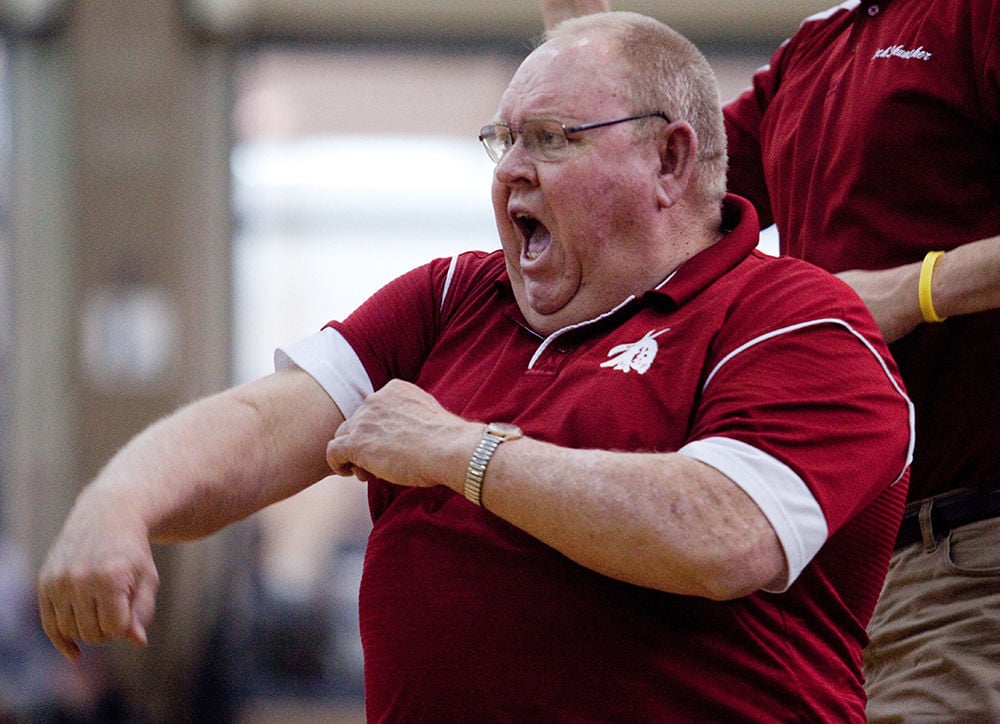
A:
934,654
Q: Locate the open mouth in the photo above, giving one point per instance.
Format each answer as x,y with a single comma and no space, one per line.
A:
535,234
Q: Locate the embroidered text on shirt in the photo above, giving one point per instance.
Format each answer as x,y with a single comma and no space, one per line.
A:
898,51
636,356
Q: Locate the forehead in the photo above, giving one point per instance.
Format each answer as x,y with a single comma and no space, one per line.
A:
566,78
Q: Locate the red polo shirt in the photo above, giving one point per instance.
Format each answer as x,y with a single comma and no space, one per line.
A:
872,138
766,368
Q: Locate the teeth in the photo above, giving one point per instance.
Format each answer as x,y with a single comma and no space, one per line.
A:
529,225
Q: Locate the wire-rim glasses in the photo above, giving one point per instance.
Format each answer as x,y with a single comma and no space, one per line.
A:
543,139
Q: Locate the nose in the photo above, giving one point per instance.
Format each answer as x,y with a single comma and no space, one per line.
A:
516,165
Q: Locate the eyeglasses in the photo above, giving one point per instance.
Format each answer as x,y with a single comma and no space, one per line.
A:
543,140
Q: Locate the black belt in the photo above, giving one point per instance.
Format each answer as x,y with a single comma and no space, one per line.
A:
948,512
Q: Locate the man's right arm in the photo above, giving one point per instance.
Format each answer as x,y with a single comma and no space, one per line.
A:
206,466
966,280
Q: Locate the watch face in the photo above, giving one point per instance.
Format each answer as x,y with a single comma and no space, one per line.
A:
503,429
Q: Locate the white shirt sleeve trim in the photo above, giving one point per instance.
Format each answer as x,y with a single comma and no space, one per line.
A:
782,496
332,362
447,281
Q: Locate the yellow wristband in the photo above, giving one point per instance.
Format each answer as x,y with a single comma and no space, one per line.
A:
924,291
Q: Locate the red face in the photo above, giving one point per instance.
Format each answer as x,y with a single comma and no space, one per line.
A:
575,229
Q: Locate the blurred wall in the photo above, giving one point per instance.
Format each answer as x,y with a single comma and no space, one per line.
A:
119,246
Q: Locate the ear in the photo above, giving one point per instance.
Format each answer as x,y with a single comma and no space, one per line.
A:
678,149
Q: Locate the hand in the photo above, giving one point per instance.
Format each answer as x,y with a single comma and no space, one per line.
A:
402,434
555,11
99,581
891,297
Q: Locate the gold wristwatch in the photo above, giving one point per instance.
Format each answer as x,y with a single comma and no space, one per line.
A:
494,434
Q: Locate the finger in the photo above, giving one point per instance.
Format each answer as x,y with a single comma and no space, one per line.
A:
63,644
124,610
88,625
114,617
137,633
337,459
65,617
362,474
143,607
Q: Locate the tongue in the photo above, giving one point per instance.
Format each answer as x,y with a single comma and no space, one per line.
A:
538,242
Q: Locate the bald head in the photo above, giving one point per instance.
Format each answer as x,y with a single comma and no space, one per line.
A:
660,68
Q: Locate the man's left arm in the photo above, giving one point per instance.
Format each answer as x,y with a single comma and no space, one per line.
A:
965,280
660,520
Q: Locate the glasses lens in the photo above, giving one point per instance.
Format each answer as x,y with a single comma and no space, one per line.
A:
542,139
545,139
497,139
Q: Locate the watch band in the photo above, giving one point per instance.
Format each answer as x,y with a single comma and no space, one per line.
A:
494,434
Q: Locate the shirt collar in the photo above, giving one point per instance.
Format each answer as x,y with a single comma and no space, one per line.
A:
741,234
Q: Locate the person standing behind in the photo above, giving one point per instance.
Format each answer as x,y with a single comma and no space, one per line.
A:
872,141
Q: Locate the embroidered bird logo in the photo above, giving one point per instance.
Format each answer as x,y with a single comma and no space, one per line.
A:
636,356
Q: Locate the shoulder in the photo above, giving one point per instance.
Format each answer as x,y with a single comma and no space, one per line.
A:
785,277
816,33
820,21
469,275
784,292
446,277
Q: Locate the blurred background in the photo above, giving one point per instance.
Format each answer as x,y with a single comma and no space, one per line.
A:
185,185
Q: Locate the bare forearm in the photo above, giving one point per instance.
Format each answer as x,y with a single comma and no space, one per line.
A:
964,281
662,521
182,477
212,463
967,279
188,475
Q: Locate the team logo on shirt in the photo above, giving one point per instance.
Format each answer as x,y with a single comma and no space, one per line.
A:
635,356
